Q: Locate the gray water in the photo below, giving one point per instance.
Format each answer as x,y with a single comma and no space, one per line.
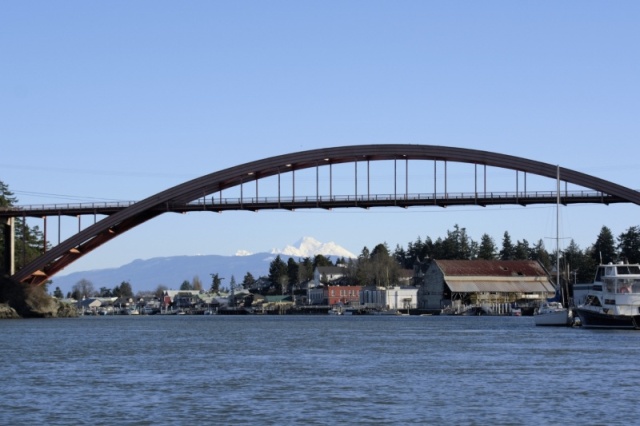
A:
315,370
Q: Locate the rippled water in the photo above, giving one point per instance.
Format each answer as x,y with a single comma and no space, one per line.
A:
315,370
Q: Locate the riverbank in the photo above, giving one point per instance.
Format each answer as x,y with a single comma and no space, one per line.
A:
19,300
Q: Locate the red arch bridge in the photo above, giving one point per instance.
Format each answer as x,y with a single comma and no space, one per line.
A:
320,190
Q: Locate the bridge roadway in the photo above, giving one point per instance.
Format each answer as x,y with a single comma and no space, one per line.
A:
323,202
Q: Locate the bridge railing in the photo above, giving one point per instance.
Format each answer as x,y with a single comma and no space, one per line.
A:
493,195
70,206
109,207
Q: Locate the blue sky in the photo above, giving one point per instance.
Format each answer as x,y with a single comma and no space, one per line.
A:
120,100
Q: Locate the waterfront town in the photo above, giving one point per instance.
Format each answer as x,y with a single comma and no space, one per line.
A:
457,287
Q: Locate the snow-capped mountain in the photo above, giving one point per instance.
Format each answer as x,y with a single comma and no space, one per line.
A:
171,271
309,247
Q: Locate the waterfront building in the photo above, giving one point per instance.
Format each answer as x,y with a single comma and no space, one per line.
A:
392,298
452,284
343,294
316,296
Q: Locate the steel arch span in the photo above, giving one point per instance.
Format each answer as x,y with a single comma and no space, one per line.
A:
51,262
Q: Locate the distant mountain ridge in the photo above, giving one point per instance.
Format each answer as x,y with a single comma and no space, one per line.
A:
145,275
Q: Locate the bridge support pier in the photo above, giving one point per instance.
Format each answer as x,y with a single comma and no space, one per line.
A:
9,234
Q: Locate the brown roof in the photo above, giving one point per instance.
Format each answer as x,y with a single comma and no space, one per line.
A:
542,285
491,268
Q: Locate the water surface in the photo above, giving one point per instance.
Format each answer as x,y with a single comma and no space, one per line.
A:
315,370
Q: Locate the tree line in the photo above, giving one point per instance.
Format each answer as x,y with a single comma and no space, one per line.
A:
380,267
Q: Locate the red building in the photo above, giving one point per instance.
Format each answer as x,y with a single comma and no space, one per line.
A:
343,294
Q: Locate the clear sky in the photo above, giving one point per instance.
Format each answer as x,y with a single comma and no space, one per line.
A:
118,100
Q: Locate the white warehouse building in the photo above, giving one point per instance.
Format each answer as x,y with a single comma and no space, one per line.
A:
405,297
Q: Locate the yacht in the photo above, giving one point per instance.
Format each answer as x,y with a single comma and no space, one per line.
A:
613,301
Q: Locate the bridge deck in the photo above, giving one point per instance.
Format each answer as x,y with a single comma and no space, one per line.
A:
324,202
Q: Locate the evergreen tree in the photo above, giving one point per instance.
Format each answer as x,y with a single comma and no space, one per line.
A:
440,251
539,253
186,285
508,251
413,253
320,260
604,249
467,248
449,246
487,249
125,290
232,283
278,274
383,267
522,250
577,265
58,293
400,255
364,254
364,268
585,273
426,250
629,245
7,198
248,281
293,270
305,269
216,281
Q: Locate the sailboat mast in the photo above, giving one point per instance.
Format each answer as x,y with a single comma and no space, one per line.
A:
558,233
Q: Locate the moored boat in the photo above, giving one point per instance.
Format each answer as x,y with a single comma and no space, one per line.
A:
613,301
553,314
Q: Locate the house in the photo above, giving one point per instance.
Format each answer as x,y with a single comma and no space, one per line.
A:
187,300
457,283
261,284
327,274
89,305
169,296
149,305
398,297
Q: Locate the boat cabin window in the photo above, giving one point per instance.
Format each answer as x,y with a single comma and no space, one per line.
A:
599,274
628,269
610,285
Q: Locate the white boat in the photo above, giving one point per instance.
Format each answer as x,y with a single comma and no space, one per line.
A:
335,311
613,301
394,312
553,314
